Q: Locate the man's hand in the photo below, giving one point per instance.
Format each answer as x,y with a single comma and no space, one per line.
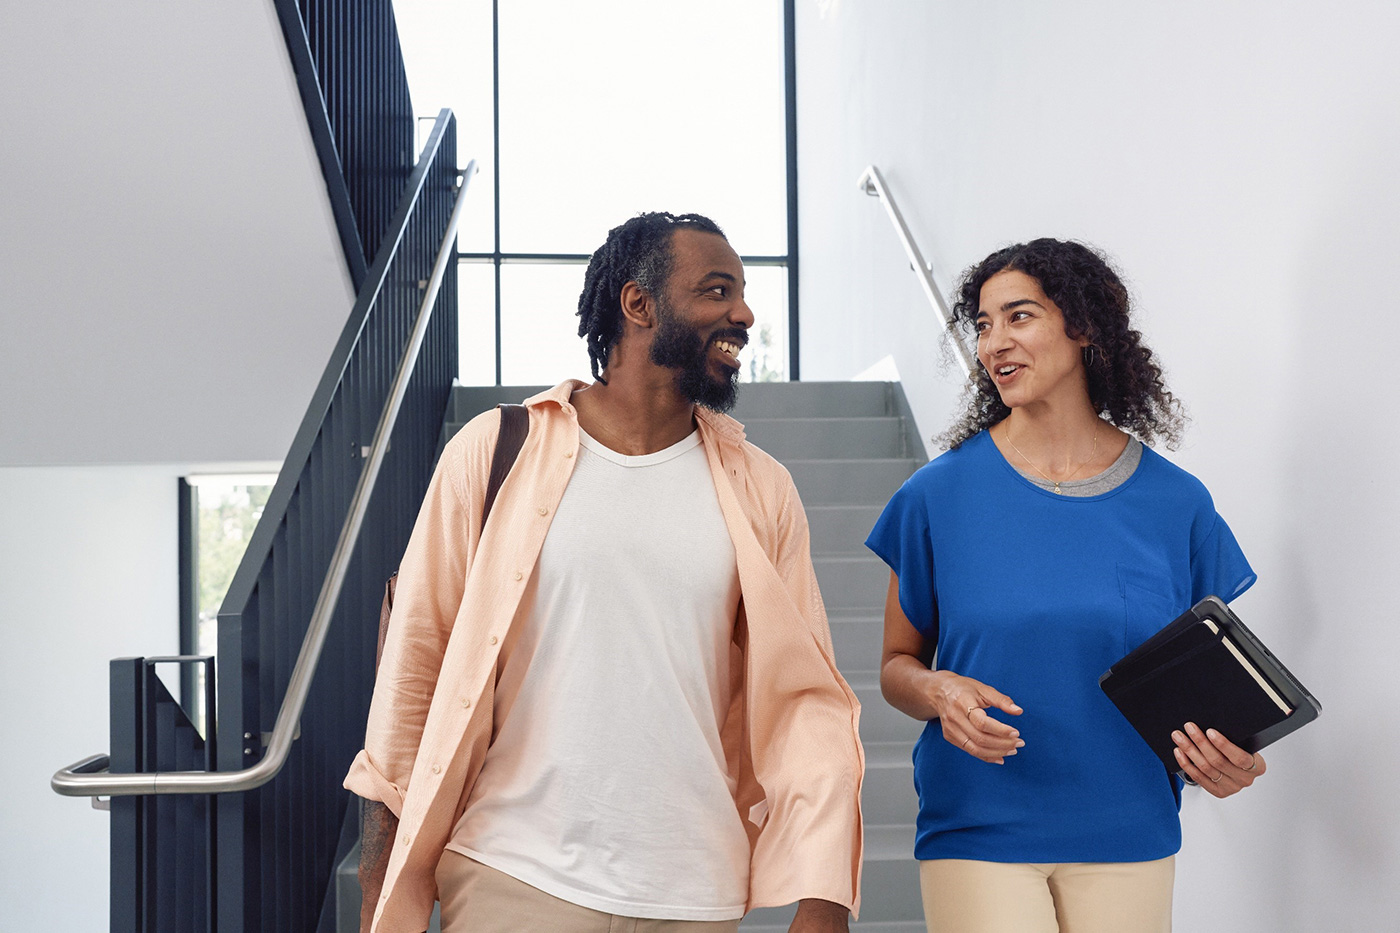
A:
380,826
818,916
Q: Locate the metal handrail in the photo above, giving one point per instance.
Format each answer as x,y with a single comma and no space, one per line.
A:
78,779
873,184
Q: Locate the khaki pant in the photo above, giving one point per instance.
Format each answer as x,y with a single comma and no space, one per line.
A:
478,899
964,896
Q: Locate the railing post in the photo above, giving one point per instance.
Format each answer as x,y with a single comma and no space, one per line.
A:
127,814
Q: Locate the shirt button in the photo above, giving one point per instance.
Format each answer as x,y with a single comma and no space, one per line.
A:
492,639
437,769
519,575
466,704
543,511
407,840
568,454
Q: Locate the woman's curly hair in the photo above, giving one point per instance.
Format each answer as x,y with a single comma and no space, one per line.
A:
1125,382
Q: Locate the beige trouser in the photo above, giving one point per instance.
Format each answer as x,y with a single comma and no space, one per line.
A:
478,899
964,896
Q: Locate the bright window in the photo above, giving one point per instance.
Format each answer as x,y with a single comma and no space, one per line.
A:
604,110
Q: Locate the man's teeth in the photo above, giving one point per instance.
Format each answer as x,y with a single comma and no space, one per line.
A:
731,348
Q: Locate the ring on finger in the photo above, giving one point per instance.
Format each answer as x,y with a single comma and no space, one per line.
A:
967,742
970,709
1253,763
1216,779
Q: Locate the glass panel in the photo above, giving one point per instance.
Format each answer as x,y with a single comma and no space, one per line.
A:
611,109
539,325
765,359
227,509
476,323
447,55
540,344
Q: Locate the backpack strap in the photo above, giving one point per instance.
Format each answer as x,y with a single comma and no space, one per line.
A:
515,427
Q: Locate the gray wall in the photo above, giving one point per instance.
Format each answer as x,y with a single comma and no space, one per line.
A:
172,278
1238,160
88,572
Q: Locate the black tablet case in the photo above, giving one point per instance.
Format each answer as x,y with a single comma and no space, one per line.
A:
1187,673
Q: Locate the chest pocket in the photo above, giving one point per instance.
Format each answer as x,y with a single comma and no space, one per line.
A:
1150,601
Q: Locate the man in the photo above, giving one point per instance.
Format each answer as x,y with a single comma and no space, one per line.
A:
615,706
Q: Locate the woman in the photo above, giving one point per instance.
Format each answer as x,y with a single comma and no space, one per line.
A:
1041,548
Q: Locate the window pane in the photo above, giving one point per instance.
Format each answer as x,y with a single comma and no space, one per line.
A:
476,323
765,359
540,344
447,55
539,325
227,510
610,109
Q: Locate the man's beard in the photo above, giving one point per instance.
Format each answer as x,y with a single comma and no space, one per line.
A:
681,348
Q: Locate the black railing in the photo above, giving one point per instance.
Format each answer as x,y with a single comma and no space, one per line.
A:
160,887
350,73
276,844
227,840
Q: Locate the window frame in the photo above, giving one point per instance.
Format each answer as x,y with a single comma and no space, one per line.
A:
497,258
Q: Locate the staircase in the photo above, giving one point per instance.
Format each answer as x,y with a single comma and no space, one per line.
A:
848,445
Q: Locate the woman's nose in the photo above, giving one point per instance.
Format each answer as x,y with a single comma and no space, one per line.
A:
992,340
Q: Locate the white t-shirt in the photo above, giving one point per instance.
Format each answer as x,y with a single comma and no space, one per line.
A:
605,783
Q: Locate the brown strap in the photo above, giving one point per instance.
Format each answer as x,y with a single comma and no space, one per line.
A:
515,427
384,609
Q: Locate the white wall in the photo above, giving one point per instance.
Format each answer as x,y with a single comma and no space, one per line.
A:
88,572
1238,160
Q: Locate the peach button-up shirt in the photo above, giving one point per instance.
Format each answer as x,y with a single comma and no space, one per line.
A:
790,736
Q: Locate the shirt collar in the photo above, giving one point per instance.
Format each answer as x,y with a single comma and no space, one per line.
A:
725,427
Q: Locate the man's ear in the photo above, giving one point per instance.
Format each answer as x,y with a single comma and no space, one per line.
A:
637,306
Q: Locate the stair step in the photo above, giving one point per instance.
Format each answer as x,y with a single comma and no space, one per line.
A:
888,797
813,400
857,639
836,481
851,582
840,529
815,438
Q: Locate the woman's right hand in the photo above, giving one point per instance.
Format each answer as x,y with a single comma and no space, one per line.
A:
962,704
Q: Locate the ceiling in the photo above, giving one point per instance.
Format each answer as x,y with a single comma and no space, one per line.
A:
171,281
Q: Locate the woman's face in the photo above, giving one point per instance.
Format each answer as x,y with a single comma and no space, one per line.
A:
1021,341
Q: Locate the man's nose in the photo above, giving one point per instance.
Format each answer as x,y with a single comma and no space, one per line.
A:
742,315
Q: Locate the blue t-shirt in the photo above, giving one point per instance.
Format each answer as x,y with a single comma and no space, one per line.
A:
1036,595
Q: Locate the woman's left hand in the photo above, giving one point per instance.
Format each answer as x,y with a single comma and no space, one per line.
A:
1214,762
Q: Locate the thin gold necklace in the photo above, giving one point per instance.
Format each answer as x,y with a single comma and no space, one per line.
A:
1056,482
